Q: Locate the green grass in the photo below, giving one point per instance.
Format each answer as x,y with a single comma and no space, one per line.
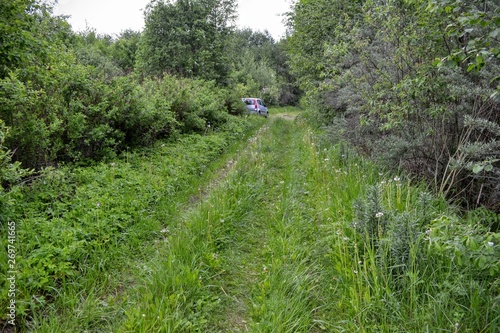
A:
287,232
82,233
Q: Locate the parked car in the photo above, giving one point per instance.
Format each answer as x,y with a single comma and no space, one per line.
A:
256,106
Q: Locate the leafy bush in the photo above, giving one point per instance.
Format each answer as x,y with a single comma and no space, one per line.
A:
74,112
408,96
421,257
74,223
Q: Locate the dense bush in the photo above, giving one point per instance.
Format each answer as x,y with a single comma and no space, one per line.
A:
414,84
76,98
71,113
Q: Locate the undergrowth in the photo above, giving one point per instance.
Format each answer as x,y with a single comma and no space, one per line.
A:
293,234
81,231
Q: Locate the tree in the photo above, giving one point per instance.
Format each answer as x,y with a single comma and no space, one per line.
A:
124,50
27,31
414,81
186,38
315,24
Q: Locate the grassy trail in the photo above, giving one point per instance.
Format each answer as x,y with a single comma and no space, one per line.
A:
245,254
288,233
269,279
275,246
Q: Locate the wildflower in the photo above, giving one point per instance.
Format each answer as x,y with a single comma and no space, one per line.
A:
98,204
397,179
327,159
379,215
112,164
491,243
355,271
164,231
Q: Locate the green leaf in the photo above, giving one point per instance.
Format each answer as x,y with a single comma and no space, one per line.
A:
495,33
481,263
450,63
477,168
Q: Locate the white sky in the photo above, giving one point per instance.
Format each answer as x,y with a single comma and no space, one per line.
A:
113,16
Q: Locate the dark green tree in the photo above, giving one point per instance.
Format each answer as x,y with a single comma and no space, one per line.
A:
124,50
27,32
186,38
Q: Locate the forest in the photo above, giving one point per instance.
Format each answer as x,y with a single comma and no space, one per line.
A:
385,165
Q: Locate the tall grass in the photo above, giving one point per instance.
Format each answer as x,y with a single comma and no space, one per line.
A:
83,233
294,233
305,236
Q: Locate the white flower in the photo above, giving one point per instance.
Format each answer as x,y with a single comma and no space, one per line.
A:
491,243
379,215
397,179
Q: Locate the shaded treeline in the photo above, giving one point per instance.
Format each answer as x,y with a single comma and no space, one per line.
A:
412,83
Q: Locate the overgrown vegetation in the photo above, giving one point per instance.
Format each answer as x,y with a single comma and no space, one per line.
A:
80,231
81,97
305,236
135,198
413,84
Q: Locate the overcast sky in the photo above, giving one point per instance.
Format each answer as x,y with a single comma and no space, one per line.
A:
113,16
